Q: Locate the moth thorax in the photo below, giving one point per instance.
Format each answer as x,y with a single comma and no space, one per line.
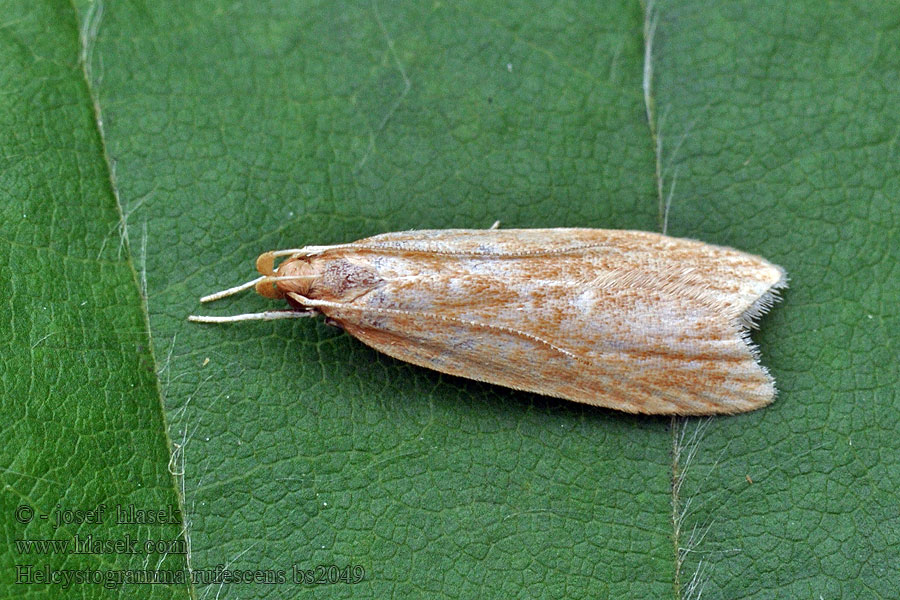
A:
300,268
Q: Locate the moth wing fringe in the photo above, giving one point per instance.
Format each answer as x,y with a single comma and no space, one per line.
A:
749,319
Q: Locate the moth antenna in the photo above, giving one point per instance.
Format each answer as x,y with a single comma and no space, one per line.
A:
233,290
271,315
259,283
288,252
265,285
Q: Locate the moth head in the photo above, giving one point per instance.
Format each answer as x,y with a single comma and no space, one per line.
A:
295,275
317,276
308,279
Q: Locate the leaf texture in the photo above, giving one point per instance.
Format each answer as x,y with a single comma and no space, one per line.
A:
213,132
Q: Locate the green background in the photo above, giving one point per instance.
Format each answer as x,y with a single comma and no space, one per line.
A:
149,151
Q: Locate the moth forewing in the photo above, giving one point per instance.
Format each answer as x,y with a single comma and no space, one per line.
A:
628,320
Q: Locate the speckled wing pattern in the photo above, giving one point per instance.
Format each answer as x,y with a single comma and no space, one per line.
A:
629,320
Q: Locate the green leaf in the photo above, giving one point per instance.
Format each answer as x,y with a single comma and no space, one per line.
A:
80,411
218,131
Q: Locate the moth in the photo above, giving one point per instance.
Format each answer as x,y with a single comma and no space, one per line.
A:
629,320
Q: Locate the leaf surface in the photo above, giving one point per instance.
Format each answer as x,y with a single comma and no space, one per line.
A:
85,444
219,131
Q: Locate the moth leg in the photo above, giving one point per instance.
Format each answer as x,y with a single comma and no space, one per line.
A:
333,323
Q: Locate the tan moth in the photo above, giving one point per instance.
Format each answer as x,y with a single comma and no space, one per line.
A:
630,320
